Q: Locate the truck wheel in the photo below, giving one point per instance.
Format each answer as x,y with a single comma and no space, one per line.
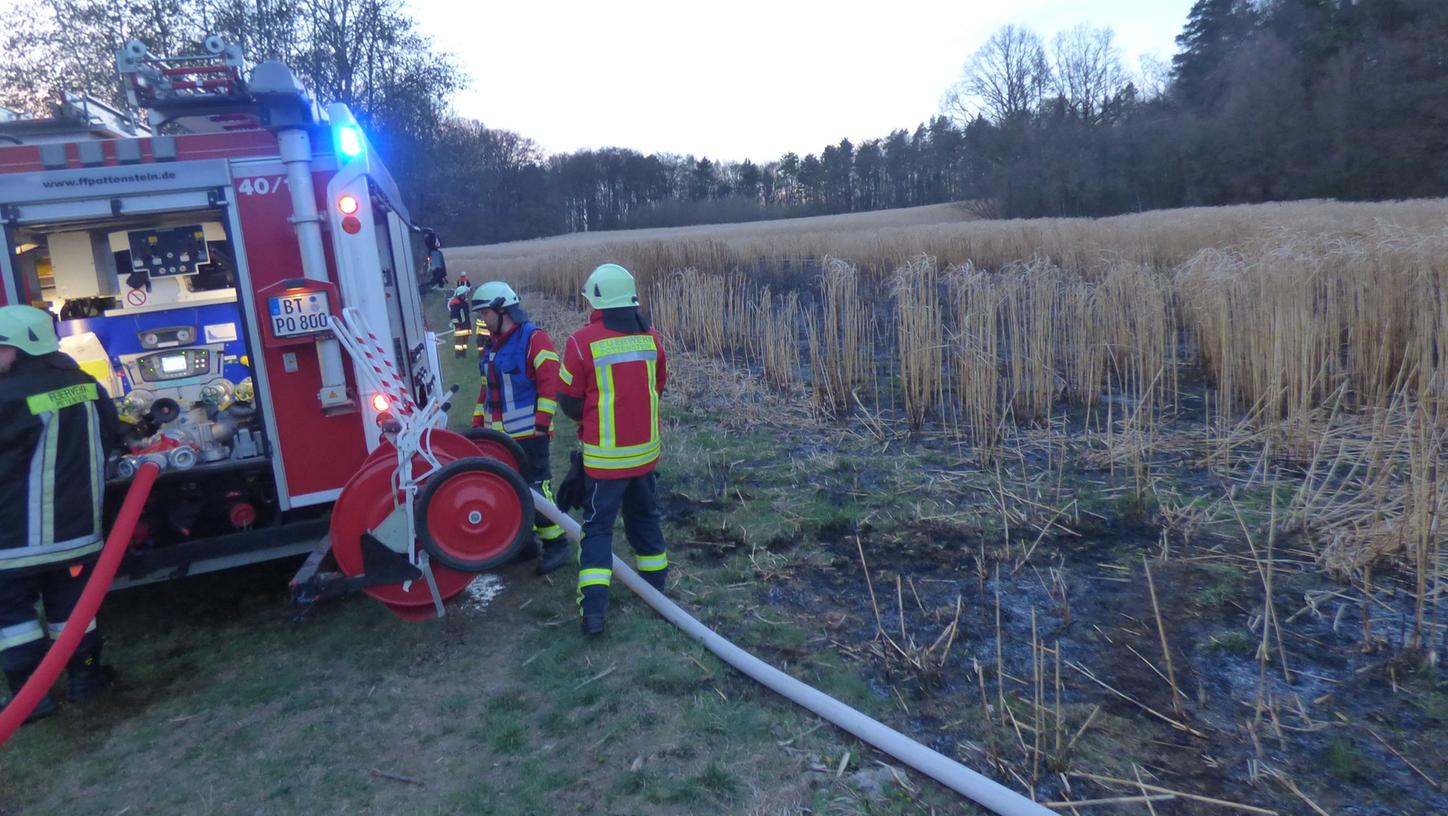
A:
500,447
474,514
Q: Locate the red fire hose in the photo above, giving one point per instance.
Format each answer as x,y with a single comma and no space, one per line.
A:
85,609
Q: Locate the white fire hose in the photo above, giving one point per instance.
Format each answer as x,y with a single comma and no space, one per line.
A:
979,789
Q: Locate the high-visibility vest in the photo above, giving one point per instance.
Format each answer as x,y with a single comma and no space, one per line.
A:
516,397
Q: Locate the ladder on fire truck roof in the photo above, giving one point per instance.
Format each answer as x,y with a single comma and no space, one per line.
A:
198,93
77,117
208,87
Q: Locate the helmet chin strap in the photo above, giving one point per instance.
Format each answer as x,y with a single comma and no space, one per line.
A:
502,318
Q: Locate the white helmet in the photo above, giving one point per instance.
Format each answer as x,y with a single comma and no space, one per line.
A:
494,295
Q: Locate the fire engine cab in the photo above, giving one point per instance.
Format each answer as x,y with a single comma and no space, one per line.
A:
236,268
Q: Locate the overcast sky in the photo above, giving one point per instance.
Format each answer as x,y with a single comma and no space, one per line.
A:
745,78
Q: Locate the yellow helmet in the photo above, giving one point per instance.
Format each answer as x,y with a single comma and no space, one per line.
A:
28,329
610,286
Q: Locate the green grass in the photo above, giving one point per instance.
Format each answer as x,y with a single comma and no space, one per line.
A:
1346,762
1222,583
1234,642
1435,706
714,782
228,706
505,725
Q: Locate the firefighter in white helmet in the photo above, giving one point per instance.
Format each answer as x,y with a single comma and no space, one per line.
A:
56,426
519,368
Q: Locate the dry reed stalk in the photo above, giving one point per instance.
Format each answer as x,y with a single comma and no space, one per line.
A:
1136,772
1293,315
1071,743
1058,720
1270,624
1031,321
1426,493
1373,487
1112,800
919,325
1058,580
985,713
1177,701
778,319
1000,645
900,603
870,585
704,313
1038,705
839,341
975,345
1111,780
1136,327
1174,723
1395,752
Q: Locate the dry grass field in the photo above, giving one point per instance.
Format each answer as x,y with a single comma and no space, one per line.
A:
1312,333
1301,318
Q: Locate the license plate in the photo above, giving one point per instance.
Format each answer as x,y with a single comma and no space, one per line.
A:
301,313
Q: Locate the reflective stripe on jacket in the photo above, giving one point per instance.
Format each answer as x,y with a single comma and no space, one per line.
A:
619,378
520,379
56,426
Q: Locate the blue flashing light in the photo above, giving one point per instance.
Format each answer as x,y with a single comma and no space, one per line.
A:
349,141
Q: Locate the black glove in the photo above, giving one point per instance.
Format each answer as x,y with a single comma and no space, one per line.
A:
570,491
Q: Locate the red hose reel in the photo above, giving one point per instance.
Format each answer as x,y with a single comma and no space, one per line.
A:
471,514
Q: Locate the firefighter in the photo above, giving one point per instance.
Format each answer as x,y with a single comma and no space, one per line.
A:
519,366
613,375
436,265
56,426
461,320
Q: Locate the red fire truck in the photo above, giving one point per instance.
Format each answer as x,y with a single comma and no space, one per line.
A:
199,262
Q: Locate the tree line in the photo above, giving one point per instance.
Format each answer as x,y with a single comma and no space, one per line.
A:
1264,100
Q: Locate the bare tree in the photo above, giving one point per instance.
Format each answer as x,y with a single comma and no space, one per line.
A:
1088,71
50,46
1153,77
1006,78
265,29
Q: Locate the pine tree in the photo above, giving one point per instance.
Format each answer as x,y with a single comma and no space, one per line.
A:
1215,30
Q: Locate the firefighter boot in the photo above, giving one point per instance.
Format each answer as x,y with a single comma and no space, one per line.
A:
556,554
656,578
528,552
594,606
87,676
43,709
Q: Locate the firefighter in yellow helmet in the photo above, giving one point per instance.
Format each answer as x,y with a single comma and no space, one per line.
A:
56,426
613,375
